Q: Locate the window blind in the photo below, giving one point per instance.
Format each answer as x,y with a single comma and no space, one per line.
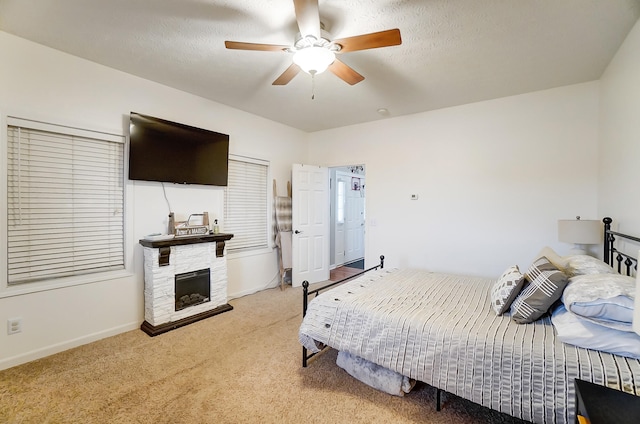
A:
65,201
246,204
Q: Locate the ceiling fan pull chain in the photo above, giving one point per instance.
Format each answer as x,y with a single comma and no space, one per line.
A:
313,86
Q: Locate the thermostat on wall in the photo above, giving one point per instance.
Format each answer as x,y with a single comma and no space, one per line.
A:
414,197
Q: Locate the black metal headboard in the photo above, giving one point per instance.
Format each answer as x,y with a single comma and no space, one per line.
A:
612,255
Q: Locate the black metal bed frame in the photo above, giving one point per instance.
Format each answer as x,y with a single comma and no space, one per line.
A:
306,293
611,253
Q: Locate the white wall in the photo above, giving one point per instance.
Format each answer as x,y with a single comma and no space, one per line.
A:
40,83
492,178
619,147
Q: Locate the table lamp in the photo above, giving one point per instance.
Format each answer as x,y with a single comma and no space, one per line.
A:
579,232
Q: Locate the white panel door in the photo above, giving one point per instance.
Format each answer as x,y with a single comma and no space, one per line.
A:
342,185
354,221
310,224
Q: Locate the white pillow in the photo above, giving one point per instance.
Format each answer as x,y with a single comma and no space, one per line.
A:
604,299
585,264
573,330
559,261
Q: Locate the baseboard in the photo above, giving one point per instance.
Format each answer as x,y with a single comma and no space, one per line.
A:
243,293
61,347
275,282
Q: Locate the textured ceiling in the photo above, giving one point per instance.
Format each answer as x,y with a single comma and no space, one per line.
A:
453,51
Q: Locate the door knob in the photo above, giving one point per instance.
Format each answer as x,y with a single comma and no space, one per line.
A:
297,232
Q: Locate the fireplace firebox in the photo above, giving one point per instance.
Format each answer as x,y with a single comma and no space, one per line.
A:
192,288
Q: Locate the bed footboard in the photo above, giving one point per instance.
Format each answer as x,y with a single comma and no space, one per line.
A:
307,294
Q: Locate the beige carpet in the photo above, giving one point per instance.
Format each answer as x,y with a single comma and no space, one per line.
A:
242,366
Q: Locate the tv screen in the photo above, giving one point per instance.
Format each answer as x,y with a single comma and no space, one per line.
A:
166,151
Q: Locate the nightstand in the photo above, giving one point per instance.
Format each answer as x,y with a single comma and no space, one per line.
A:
602,405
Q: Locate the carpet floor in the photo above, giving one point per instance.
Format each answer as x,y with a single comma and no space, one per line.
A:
242,366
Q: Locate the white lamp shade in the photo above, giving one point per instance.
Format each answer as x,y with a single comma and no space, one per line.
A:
314,60
580,231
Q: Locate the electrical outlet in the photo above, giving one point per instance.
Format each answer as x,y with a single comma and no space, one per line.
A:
14,325
414,197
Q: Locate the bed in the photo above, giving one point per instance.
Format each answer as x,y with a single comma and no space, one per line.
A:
443,330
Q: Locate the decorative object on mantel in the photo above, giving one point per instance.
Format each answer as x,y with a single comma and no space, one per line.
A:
187,228
579,232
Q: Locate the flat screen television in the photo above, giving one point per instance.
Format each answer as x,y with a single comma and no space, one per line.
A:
161,150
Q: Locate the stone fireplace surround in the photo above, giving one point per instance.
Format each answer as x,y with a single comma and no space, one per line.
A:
163,260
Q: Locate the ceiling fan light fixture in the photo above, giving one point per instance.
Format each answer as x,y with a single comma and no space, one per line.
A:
314,48
314,60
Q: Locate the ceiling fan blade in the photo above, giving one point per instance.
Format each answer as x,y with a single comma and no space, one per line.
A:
374,40
237,45
345,72
287,75
308,17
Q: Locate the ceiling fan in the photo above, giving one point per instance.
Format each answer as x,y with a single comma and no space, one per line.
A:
314,51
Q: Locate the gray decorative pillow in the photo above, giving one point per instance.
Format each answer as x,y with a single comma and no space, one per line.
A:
544,288
506,288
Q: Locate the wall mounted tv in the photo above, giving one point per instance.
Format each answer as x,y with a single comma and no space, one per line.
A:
166,151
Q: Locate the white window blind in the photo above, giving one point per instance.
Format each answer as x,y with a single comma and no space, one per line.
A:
65,201
246,204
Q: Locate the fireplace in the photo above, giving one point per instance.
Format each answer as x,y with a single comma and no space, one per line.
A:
185,280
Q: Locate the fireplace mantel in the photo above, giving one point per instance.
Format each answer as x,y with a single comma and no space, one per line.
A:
182,240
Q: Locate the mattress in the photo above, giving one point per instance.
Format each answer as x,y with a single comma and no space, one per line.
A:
440,329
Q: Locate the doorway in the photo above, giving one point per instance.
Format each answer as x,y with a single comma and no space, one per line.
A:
347,216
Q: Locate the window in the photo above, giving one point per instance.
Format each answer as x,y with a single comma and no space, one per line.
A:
65,201
246,204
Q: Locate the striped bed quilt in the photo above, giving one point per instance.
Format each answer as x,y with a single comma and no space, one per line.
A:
440,329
